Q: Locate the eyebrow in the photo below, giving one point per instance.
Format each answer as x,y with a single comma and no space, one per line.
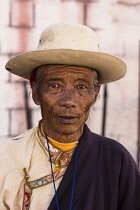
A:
53,78
83,80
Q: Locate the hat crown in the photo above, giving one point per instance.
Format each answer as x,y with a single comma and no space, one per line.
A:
67,36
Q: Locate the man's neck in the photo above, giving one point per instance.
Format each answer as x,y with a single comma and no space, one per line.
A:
62,138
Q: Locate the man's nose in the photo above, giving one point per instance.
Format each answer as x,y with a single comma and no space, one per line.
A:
68,99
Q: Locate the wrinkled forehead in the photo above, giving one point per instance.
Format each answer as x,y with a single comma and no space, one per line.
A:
52,70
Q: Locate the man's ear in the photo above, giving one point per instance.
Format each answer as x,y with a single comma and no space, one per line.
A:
97,91
34,93
93,102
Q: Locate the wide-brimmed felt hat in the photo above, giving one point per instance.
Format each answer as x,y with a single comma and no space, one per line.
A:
70,44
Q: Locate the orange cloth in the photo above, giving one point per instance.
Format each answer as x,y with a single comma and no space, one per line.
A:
63,146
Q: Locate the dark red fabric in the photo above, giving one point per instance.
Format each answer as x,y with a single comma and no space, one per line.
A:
107,177
32,77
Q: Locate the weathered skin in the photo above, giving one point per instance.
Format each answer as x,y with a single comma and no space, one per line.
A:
65,95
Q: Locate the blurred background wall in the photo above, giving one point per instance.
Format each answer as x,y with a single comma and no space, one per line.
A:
117,24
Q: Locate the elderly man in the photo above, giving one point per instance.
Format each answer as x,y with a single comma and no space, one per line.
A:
61,164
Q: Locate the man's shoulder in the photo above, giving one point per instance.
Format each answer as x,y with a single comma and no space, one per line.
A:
110,145
25,134
15,153
106,144
17,143
114,153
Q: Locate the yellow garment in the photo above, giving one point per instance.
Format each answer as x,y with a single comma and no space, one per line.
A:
63,146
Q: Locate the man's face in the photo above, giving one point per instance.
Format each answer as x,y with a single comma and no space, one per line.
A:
65,95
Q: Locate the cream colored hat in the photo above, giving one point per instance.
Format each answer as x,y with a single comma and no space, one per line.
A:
72,45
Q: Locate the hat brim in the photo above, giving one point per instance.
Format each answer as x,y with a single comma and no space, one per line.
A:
110,68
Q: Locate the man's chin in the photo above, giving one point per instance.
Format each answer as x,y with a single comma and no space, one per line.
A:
69,129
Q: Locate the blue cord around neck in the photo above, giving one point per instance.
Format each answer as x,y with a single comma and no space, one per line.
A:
74,177
73,180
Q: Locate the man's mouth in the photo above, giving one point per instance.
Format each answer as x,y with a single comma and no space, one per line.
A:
67,119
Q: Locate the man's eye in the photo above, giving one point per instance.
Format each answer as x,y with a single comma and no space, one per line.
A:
54,85
82,87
